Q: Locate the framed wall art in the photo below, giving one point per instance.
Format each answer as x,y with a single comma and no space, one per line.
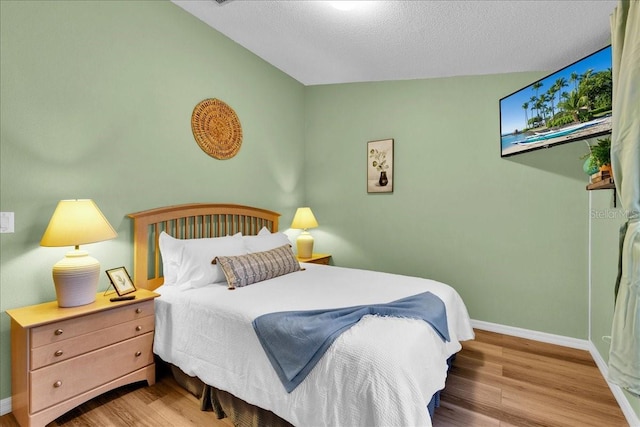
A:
380,166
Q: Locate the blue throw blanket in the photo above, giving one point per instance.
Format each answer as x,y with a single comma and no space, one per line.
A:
296,340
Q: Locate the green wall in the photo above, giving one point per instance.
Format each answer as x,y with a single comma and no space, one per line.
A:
509,234
96,103
605,225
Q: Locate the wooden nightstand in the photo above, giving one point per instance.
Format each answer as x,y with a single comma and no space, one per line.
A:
316,259
62,357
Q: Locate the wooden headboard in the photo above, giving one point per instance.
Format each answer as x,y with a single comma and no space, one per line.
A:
189,221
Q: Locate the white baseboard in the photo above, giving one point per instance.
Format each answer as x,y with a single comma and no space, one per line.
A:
532,335
5,406
625,406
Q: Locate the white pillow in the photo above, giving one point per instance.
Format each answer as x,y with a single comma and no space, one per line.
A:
265,241
171,252
188,261
197,269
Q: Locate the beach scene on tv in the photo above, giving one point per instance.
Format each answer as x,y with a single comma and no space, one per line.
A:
571,104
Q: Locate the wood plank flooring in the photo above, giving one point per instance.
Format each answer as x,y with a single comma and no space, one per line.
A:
496,380
499,380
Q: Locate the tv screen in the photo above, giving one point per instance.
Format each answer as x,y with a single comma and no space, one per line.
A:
572,104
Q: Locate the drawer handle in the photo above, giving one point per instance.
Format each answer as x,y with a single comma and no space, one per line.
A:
138,328
138,310
58,353
138,353
57,384
58,332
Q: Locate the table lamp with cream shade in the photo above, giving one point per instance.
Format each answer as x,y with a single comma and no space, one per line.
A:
74,223
304,219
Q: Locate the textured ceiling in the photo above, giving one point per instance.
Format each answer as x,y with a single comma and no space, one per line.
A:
316,43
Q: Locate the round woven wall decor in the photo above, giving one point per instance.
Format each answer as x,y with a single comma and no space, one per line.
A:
216,128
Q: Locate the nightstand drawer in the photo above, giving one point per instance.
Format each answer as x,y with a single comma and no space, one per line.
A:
56,332
72,377
63,350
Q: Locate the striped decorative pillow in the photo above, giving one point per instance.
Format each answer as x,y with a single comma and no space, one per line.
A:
243,270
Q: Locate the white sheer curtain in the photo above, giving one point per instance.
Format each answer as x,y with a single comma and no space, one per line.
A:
624,355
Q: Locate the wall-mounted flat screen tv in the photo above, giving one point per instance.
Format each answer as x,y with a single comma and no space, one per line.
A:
572,104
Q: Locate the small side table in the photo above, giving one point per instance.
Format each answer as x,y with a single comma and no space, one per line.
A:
316,259
62,357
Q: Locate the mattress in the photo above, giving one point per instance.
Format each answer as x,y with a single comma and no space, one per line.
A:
381,371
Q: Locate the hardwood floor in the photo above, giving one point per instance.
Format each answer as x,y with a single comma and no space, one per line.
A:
496,380
499,380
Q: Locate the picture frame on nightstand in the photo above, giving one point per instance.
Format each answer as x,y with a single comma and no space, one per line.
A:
121,280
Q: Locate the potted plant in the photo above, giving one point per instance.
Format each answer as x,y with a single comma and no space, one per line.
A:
601,154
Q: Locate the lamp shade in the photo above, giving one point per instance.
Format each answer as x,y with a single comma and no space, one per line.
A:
76,276
304,219
77,222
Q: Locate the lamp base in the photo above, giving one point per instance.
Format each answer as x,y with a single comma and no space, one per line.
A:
76,279
305,245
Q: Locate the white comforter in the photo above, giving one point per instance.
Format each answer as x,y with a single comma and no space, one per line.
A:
380,372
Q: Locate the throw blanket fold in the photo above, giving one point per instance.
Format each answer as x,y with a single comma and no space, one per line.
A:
294,341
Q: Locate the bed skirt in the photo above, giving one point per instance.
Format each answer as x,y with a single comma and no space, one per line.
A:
239,412
226,405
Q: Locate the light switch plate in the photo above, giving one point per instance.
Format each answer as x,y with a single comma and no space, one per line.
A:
6,222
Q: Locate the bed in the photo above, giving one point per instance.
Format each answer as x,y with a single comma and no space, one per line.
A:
379,370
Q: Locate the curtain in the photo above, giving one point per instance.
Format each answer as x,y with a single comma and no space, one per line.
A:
624,353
